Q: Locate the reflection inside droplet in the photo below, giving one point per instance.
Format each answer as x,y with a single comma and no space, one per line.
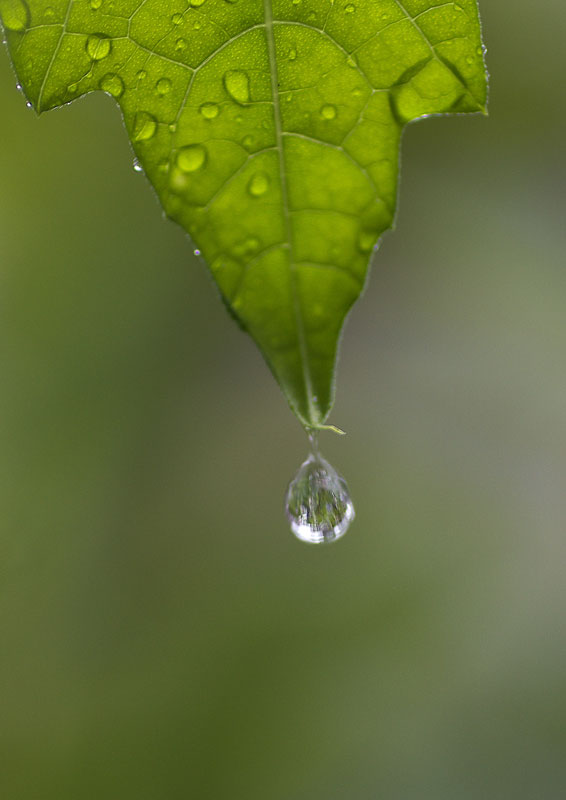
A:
318,503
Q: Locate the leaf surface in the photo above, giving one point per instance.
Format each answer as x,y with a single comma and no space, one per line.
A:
270,130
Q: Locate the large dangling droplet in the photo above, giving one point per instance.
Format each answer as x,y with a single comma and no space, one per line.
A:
318,503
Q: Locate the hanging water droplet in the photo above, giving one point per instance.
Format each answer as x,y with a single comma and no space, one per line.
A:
318,503
137,166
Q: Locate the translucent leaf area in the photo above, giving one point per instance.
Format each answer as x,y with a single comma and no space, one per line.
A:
270,130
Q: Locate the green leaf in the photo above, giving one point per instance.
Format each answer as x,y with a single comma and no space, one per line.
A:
270,130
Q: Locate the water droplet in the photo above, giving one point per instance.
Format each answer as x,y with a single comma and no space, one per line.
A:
292,55
172,127
95,4
247,141
366,241
180,45
15,15
246,248
196,3
141,75
196,252
112,84
191,158
137,166
209,110
49,13
176,19
29,104
163,86
259,184
328,112
237,84
145,126
318,503
98,46
349,9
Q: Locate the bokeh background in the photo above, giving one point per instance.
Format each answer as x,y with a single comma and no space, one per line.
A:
162,634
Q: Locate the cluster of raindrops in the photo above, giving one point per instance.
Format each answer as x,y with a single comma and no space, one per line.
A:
318,503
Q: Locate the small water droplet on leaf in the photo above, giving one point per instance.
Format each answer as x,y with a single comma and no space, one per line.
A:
98,46
237,84
191,157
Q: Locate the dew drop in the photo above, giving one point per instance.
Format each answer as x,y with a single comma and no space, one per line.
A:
176,19
328,112
196,3
237,84
180,45
318,503
112,84
163,86
15,15
349,9
366,241
98,46
137,166
191,158
141,75
145,126
292,55
209,110
196,252
259,184
95,4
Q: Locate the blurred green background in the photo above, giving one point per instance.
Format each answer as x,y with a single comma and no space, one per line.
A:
162,634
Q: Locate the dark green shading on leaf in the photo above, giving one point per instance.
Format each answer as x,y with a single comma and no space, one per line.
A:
270,130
